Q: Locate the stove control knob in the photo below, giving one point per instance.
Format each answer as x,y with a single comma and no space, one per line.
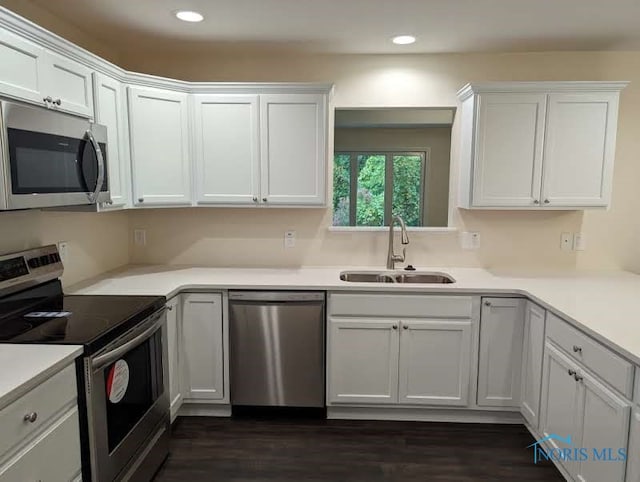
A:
31,417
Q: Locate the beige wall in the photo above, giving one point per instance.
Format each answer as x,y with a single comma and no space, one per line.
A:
435,140
509,239
96,242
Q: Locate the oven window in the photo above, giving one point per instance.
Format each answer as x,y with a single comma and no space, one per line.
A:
130,389
47,163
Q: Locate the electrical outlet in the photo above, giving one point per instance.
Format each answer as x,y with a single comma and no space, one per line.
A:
566,241
290,239
63,251
140,237
470,240
579,241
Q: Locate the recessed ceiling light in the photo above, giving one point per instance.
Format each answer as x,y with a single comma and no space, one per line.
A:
189,16
403,39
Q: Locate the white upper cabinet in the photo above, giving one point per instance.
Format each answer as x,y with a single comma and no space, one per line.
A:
293,148
21,66
538,145
34,74
159,131
509,149
579,149
501,337
111,111
69,84
227,149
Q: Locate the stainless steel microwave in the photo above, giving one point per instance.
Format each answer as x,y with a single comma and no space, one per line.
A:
50,159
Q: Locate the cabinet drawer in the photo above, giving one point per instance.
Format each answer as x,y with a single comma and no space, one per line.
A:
399,305
53,456
46,401
612,368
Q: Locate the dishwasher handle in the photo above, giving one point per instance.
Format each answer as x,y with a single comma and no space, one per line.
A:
276,296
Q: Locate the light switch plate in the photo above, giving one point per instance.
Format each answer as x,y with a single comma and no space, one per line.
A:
579,241
63,251
290,239
140,237
470,240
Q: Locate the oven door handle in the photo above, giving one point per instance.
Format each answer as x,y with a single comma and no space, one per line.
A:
93,196
113,355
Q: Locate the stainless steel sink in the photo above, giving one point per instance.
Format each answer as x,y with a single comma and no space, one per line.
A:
405,277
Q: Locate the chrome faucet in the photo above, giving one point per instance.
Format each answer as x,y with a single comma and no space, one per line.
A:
391,257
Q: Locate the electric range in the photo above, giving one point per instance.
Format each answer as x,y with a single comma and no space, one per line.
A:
122,393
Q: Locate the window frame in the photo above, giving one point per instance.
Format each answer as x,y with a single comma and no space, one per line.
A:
388,183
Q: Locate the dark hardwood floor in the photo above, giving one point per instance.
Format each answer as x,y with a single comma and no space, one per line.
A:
292,450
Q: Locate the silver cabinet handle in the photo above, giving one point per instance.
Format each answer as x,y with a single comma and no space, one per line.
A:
140,199
487,303
395,327
577,349
170,307
31,417
535,201
264,199
47,99
572,373
255,199
96,147
546,201
57,101
578,378
405,327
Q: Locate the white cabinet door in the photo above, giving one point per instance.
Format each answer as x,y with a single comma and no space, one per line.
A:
363,361
203,346
605,431
110,110
501,338
435,362
532,355
69,84
579,149
174,351
633,454
159,133
227,149
21,66
293,148
561,399
508,151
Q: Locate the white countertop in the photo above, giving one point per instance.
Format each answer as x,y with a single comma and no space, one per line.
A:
605,304
26,366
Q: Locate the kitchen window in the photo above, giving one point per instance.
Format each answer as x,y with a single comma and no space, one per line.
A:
370,187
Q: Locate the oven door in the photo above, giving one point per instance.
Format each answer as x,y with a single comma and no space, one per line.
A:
52,159
126,398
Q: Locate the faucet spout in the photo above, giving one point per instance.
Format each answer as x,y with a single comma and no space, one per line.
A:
392,258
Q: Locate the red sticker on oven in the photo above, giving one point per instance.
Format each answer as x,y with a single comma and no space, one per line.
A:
118,381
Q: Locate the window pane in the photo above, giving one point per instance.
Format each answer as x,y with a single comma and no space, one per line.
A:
341,189
408,189
370,195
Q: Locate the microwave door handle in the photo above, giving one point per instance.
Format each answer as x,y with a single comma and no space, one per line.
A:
111,356
96,147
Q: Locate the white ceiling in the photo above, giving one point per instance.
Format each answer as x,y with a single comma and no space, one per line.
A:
361,26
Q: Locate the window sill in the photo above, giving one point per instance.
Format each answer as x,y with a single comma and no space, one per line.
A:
382,229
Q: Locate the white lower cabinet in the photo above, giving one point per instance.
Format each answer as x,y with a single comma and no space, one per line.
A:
633,454
202,346
435,358
596,419
391,361
532,355
500,362
46,446
363,360
174,351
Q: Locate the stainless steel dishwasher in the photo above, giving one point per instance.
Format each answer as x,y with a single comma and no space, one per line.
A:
277,348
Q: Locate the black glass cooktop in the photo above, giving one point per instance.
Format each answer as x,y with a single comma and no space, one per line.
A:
45,315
